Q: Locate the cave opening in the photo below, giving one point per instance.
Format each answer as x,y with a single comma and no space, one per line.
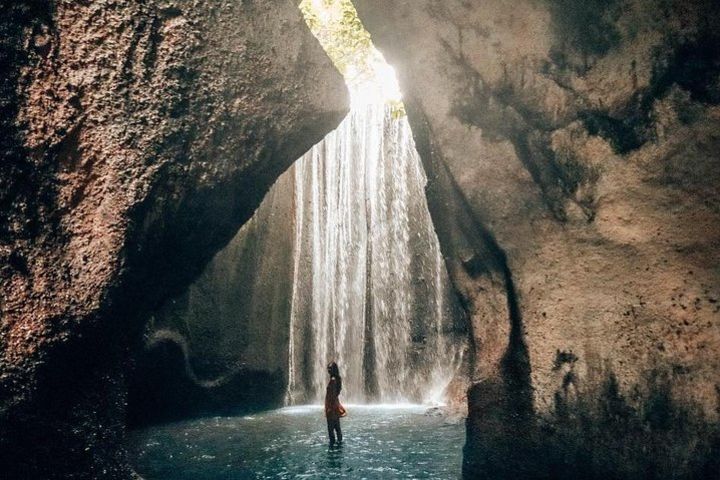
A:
571,155
340,262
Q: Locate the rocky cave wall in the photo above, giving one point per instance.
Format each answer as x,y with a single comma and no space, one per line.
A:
221,347
572,150
138,137
572,155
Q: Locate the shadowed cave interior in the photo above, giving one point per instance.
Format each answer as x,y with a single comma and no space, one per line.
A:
509,241
340,262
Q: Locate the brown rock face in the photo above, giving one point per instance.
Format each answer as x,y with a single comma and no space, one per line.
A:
572,150
138,136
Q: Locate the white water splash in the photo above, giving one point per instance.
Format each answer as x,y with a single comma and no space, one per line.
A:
370,284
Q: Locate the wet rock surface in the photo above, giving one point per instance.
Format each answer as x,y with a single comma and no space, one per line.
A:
301,277
221,347
572,156
139,137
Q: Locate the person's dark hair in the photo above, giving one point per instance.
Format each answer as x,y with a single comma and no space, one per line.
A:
334,371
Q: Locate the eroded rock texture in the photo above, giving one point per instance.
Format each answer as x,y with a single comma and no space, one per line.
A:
311,271
572,150
137,138
222,346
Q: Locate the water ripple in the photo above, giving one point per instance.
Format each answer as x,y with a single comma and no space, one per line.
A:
381,442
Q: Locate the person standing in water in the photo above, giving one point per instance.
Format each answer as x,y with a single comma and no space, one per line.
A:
333,409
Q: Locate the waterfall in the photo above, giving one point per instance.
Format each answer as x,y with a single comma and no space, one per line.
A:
370,288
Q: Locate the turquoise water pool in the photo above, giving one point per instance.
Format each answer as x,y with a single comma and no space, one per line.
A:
381,442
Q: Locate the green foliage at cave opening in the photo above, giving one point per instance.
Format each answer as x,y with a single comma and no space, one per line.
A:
336,25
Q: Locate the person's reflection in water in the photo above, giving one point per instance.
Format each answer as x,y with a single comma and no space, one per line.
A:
333,409
335,457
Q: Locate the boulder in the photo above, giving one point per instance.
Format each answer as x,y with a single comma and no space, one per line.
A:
138,137
571,150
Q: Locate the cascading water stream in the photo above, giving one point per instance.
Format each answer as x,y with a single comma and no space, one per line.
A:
370,290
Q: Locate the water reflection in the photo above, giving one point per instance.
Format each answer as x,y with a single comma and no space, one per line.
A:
335,457
380,443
